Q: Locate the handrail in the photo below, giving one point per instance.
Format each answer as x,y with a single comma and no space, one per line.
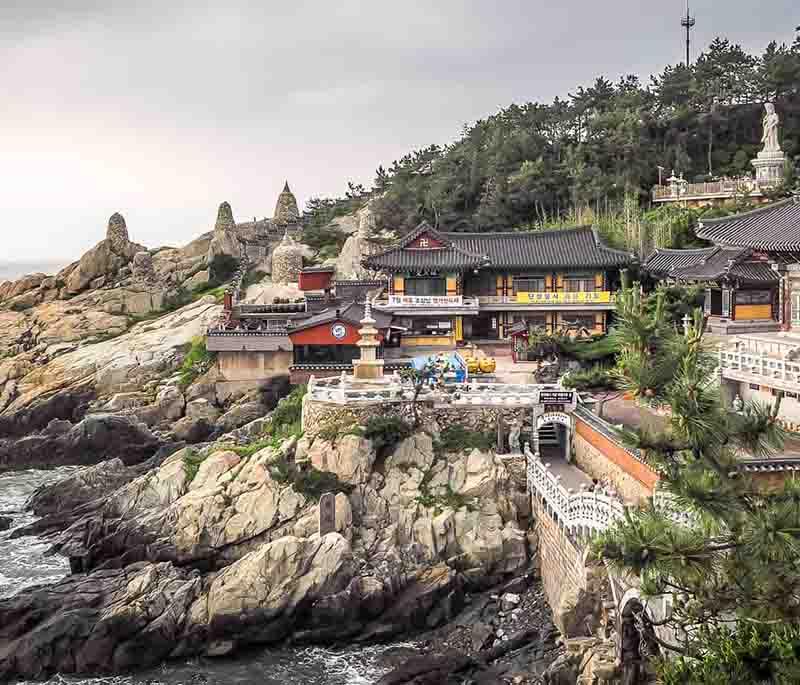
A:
589,512
759,364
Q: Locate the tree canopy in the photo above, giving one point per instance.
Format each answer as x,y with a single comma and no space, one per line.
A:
584,156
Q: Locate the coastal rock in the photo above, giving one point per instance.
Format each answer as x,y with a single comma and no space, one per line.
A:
79,488
94,439
5,522
230,539
240,415
350,458
105,259
122,364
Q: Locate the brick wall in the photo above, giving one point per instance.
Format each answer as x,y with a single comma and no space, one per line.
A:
600,457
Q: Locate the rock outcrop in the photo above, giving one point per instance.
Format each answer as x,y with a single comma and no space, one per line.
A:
219,549
225,241
92,440
104,261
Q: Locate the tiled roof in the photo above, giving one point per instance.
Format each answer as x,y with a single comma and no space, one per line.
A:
352,313
569,247
728,263
775,227
662,261
578,247
449,256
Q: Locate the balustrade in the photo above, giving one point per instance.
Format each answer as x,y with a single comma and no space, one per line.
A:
588,512
759,364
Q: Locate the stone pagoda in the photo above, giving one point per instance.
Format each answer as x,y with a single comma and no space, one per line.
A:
287,261
286,211
368,367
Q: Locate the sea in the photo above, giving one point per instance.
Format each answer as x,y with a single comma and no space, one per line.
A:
24,563
11,271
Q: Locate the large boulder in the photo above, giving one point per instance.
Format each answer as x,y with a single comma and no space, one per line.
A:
351,457
97,437
105,259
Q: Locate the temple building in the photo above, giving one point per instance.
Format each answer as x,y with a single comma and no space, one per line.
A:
751,277
446,288
750,273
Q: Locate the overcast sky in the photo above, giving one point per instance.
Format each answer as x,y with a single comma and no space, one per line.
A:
161,110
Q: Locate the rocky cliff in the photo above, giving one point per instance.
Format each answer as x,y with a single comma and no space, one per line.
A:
219,548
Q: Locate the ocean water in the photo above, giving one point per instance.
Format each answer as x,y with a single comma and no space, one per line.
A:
10,271
23,563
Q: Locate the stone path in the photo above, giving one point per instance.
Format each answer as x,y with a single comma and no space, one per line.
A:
571,476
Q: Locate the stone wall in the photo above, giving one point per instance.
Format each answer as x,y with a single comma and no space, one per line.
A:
317,415
602,458
561,566
253,366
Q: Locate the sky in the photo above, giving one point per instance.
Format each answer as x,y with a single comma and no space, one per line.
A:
161,110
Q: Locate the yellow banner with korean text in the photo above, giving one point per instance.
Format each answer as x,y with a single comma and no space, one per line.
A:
583,297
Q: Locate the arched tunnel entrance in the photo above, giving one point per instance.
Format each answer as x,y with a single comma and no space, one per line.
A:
553,434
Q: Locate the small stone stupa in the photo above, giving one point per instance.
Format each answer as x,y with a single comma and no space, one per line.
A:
287,261
368,367
117,233
286,211
770,162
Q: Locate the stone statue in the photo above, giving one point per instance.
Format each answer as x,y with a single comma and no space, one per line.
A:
771,123
513,438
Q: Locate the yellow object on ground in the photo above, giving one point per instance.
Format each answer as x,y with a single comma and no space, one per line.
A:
473,366
488,365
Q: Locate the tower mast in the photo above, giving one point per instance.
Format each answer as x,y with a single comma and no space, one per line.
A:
688,23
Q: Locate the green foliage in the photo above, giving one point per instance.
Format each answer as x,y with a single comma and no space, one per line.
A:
221,268
677,301
285,419
447,499
307,481
596,378
732,570
191,464
386,431
593,157
543,345
253,277
456,438
20,306
756,653
196,362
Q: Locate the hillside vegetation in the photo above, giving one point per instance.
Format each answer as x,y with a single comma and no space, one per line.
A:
593,156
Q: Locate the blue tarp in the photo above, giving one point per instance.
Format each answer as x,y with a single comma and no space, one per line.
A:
458,368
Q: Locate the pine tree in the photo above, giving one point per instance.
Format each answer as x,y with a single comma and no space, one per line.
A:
735,573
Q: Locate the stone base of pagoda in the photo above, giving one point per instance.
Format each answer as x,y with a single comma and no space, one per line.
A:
364,370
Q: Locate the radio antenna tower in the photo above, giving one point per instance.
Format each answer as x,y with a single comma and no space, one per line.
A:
688,23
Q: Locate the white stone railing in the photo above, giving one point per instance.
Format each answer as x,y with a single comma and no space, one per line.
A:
759,364
341,389
580,513
585,513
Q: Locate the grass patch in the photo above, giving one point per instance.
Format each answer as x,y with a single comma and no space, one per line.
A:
446,500
21,306
308,481
456,438
196,362
386,432
191,464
